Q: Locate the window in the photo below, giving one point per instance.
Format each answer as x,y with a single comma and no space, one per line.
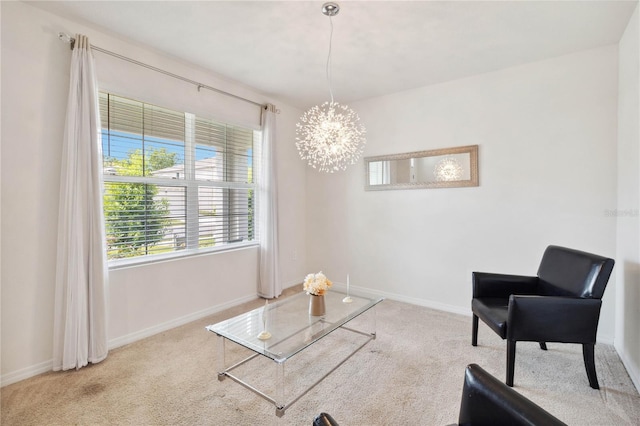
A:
174,182
379,173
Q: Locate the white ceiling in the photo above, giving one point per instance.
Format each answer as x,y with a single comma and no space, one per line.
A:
379,47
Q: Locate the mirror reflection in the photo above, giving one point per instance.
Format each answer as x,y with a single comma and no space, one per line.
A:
441,168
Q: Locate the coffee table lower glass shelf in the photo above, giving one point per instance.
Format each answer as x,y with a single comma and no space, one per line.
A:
292,329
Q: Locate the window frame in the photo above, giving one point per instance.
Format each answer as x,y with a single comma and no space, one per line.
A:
191,186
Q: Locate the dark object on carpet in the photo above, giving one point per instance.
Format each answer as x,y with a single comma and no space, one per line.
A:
324,419
561,304
487,401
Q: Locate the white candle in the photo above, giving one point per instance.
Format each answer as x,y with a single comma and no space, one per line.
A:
347,299
264,314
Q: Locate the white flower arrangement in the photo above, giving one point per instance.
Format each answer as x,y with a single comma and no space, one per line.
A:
316,284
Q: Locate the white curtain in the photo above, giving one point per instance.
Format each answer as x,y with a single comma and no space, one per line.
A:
270,285
80,322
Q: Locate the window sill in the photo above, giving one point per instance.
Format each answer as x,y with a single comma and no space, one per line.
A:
132,262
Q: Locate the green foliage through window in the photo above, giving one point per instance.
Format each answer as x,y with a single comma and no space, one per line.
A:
136,217
174,181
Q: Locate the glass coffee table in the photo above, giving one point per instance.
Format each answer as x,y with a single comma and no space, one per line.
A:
292,329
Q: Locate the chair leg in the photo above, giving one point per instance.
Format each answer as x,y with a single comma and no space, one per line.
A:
543,346
590,365
474,331
511,361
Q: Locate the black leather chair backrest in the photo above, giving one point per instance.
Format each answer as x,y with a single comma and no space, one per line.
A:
573,273
486,401
324,419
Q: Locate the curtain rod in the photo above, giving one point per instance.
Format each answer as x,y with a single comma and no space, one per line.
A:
68,39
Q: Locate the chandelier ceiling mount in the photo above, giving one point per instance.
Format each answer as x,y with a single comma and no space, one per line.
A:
330,8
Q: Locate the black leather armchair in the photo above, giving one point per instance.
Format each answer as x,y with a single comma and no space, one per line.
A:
486,401
561,304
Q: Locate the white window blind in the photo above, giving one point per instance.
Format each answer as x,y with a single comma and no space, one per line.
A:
379,173
174,182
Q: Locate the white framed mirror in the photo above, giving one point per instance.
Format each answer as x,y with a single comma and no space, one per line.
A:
437,168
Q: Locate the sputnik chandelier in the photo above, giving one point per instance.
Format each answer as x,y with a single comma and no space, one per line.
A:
448,169
330,136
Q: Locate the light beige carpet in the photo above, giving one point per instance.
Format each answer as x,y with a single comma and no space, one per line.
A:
411,374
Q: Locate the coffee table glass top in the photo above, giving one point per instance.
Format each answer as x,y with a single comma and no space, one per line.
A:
292,328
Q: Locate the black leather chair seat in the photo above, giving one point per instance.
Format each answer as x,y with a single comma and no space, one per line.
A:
493,312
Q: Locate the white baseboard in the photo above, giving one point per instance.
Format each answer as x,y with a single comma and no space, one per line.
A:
605,338
25,373
632,368
406,299
159,328
292,283
46,366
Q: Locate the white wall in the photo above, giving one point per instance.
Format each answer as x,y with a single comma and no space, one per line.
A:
143,299
547,158
628,249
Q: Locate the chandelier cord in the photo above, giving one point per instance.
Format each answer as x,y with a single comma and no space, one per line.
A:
329,60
